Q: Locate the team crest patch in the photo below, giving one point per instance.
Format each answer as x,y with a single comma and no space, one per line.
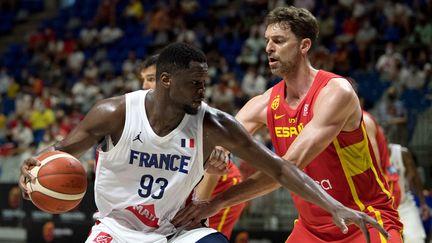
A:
103,237
275,102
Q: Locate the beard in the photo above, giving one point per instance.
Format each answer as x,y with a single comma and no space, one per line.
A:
285,68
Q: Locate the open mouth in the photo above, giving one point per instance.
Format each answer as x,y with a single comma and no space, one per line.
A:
272,60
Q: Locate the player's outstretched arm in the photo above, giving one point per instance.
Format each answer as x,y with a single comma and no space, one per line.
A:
106,117
225,131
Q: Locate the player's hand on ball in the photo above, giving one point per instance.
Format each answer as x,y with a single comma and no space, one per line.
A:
26,176
344,216
217,162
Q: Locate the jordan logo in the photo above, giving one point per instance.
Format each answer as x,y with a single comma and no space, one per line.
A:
137,137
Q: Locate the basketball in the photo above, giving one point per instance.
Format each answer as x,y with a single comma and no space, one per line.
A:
60,183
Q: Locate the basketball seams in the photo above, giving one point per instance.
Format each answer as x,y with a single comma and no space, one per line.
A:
58,195
56,156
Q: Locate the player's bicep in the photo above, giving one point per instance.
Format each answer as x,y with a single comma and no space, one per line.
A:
253,115
334,111
103,119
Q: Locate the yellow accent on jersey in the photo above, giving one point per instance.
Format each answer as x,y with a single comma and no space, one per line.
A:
226,211
379,220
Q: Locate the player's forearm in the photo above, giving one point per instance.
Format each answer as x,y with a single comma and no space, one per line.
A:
255,186
206,187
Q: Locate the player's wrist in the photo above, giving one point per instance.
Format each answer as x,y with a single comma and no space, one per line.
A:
218,203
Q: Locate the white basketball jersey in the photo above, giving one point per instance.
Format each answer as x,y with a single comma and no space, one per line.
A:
396,160
145,179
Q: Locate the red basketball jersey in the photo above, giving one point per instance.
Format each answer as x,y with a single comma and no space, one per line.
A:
346,169
389,172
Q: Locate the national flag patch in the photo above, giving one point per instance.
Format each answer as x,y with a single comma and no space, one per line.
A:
188,143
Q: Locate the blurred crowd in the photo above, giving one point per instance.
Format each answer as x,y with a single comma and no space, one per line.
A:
93,49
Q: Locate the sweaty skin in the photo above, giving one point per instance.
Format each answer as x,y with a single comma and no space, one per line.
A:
180,93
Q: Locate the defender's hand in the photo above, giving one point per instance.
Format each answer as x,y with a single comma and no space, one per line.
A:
25,175
344,216
217,162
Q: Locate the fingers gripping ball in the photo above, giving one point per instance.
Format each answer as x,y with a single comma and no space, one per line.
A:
60,182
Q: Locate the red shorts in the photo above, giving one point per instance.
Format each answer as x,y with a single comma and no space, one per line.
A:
226,218
301,234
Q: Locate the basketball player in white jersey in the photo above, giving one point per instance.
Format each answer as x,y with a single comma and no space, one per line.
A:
402,161
160,139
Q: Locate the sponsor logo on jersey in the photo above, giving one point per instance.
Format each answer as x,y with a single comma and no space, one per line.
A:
325,184
172,162
275,102
306,110
146,214
277,117
137,138
288,131
103,237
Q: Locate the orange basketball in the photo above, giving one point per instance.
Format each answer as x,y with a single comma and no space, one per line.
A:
60,184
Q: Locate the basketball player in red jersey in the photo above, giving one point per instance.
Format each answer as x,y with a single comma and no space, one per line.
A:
380,148
315,120
212,184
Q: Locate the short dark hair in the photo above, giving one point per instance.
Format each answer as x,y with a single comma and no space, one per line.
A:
177,56
301,22
150,61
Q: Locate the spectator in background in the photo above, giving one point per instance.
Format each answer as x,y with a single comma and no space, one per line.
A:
364,37
130,65
85,93
134,10
223,96
110,34
75,60
5,81
386,64
91,70
40,119
89,35
22,135
105,14
253,83
3,121
392,115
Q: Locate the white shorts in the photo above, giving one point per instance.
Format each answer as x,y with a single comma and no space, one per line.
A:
413,231
108,232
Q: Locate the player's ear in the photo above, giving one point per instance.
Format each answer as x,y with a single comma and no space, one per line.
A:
305,45
165,79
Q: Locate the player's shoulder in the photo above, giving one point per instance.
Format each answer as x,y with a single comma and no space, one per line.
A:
339,87
110,106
